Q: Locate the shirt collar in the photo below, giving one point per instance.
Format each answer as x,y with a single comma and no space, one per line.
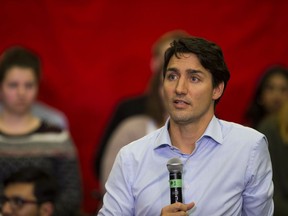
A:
213,131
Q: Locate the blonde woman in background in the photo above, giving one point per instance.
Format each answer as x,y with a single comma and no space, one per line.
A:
137,126
276,129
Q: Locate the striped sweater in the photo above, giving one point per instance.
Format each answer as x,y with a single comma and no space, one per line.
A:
51,149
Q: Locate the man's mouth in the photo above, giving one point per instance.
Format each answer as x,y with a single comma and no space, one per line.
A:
181,102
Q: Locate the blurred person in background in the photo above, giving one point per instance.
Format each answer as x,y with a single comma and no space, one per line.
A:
275,127
268,113
48,113
136,105
137,126
27,140
28,192
270,94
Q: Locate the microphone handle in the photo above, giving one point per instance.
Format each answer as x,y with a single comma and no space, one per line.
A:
175,187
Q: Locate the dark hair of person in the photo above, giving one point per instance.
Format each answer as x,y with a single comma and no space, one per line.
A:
209,54
256,111
45,187
155,107
19,57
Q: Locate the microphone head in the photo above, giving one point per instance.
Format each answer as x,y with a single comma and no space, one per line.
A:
175,165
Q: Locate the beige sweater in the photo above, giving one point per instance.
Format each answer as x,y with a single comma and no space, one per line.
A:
128,131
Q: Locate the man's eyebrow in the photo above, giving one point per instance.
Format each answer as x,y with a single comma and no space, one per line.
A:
193,71
172,69
189,71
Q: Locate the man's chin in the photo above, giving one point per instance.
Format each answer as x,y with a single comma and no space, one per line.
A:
181,120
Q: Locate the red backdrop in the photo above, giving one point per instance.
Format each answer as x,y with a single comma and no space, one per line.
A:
96,52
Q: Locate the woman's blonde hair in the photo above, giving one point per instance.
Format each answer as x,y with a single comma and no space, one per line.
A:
283,122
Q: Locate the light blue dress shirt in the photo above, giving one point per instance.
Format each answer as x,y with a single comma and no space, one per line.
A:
229,173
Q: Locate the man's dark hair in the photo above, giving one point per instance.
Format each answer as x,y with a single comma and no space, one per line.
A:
20,57
45,187
209,54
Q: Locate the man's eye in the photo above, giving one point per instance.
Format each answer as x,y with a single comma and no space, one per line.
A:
172,76
194,79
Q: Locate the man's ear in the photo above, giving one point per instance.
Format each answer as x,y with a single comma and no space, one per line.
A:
218,91
46,209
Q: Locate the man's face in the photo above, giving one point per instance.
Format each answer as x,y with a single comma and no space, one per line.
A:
23,191
188,90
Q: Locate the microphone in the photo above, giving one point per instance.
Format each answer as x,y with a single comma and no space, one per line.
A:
175,168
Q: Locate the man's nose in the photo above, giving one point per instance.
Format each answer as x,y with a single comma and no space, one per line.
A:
181,87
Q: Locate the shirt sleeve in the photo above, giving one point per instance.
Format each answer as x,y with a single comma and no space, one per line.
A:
257,197
118,199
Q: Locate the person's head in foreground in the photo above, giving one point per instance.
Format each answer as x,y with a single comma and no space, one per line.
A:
28,192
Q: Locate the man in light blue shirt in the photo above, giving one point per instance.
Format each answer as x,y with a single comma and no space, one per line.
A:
226,166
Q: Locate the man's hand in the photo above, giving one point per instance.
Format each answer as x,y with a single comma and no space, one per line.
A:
177,209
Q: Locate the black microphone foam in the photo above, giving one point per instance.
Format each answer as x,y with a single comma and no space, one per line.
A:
175,168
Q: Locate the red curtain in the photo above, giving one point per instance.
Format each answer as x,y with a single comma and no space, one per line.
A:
95,53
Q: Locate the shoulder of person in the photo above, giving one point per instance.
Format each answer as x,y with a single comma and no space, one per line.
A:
144,143
48,127
136,120
268,123
141,99
240,131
